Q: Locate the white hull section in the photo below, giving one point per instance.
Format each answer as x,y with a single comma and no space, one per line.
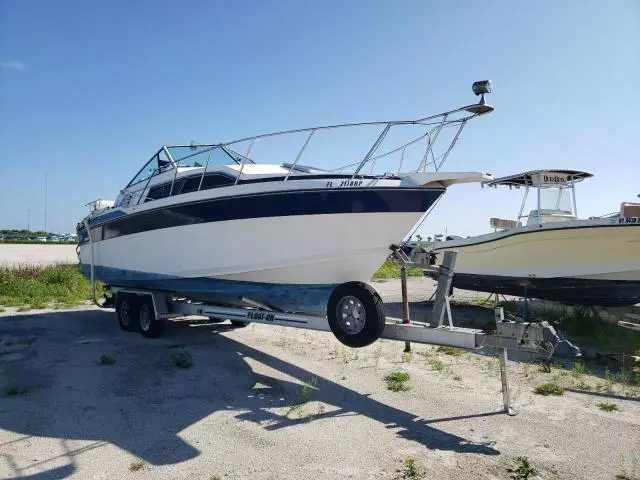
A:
604,251
304,249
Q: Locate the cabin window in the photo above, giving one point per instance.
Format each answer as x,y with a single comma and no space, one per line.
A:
188,185
216,180
210,180
191,184
158,192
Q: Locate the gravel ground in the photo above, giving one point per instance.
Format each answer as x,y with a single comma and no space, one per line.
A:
34,254
241,410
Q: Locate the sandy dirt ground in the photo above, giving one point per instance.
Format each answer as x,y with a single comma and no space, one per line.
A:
34,254
243,410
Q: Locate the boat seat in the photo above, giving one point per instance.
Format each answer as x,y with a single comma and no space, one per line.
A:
549,216
503,223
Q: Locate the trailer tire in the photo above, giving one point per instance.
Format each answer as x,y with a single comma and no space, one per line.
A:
239,324
127,311
356,315
150,326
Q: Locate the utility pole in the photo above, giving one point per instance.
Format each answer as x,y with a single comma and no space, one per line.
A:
45,203
29,219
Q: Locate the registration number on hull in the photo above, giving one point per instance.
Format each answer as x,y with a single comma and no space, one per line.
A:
629,221
345,183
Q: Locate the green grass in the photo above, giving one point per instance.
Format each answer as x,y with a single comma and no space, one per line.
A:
587,329
582,385
412,469
391,269
525,469
307,391
607,407
305,394
38,242
15,391
137,465
182,360
38,287
549,388
578,369
398,381
436,364
454,351
106,360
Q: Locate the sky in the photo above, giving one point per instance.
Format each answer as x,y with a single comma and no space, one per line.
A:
90,90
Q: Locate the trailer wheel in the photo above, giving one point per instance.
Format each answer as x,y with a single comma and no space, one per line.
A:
127,312
238,323
356,314
150,326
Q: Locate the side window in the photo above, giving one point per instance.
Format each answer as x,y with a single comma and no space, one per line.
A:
158,192
191,184
211,180
215,181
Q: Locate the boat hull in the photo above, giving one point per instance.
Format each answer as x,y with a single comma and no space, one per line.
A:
590,263
291,262
571,291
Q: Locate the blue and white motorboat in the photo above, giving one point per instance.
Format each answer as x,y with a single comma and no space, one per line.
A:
209,223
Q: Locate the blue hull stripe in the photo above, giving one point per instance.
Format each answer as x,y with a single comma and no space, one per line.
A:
310,298
273,204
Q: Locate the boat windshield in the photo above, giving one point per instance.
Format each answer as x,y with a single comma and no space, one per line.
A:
557,198
194,156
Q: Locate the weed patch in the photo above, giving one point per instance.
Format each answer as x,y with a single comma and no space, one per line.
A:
549,388
608,407
182,360
304,395
578,369
137,465
582,385
391,269
37,286
524,469
106,360
412,469
588,328
453,351
15,391
398,381
436,364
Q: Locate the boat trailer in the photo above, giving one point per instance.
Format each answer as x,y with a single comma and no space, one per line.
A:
147,311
